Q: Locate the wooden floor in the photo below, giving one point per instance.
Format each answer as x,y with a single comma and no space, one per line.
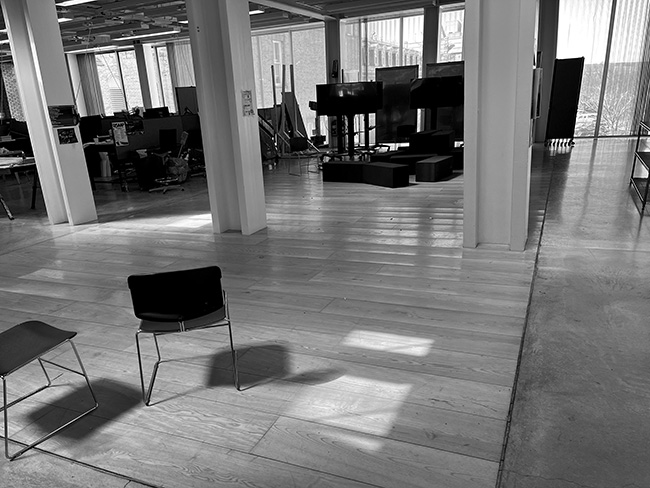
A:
374,350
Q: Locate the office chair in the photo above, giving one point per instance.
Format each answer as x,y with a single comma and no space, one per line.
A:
178,301
298,147
22,345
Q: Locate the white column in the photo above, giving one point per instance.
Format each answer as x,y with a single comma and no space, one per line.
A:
75,80
151,66
141,62
43,81
333,50
220,36
499,51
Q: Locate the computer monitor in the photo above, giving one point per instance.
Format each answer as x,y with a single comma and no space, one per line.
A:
90,127
349,98
154,113
168,139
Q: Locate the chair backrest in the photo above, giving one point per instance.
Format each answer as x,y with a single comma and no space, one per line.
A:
298,144
176,295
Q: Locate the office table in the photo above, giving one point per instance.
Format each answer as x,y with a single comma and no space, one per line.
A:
12,165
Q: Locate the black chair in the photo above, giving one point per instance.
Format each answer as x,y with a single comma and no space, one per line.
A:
179,301
22,345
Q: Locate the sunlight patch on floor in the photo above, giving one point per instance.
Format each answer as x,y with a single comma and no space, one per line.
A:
381,341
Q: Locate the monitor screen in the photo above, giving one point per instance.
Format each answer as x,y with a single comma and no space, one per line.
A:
349,98
153,113
435,92
90,127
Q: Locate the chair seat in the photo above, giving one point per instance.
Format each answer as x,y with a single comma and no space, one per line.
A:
27,341
211,319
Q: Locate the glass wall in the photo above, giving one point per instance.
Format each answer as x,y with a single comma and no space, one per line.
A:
368,44
610,85
304,49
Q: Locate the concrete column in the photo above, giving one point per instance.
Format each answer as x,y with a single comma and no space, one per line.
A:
499,48
430,37
151,67
220,37
75,80
333,71
333,50
142,75
548,19
43,81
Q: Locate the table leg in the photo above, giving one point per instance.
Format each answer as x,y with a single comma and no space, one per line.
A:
4,205
34,187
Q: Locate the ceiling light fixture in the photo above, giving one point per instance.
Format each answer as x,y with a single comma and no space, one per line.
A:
64,19
255,12
151,34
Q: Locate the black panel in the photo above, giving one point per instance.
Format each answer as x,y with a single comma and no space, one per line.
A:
396,120
565,94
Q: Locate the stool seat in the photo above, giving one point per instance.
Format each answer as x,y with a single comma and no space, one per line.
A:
25,342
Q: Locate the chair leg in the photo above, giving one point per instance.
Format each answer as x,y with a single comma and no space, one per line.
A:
146,392
6,405
235,371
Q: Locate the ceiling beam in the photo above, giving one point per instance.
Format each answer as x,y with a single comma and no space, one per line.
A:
361,6
294,8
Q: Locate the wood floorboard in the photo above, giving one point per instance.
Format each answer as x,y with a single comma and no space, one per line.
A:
374,351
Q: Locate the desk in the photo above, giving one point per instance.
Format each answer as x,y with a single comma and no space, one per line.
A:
13,165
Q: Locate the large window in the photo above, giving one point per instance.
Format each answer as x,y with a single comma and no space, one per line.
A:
119,81
110,80
612,41
450,33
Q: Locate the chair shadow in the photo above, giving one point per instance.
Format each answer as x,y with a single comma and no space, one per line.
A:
262,364
114,397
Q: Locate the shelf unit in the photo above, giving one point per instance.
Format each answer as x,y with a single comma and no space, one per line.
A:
639,178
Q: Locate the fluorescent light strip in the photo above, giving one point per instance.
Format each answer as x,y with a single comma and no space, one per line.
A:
69,3
92,50
140,36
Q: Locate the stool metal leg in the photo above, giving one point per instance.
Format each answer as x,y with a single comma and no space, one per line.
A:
146,392
6,405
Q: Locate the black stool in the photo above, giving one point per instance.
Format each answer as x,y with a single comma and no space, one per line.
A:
22,345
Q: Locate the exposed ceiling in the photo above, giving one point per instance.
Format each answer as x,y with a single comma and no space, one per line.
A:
103,23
